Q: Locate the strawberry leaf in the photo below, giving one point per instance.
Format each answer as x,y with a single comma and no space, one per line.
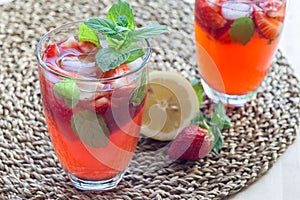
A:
90,128
242,30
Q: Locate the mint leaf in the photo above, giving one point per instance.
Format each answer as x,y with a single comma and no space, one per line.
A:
146,32
90,128
200,120
218,139
135,53
103,26
198,89
110,58
121,8
122,21
242,30
88,34
214,124
137,96
219,118
68,91
120,34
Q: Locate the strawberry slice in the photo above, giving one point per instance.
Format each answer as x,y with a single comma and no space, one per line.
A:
216,4
268,27
52,51
122,69
87,47
207,17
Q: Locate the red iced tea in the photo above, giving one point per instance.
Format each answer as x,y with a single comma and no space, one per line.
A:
235,42
87,151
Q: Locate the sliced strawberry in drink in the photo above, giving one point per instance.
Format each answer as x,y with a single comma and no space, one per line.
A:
52,51
87,47
60,115
268,27
101,105
216,4
207,17
222,34
69,43
122,69
63,72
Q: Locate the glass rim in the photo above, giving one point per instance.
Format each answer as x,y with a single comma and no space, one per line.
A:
44,66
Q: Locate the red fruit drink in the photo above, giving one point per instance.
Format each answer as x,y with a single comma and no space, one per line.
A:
92,116
235,43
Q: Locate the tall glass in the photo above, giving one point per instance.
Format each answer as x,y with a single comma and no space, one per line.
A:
235,43
95,131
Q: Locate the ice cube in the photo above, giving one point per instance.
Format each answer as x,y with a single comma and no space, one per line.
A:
120,82
69,43
81,65
214,4
89,90
234,10
274,8
135,63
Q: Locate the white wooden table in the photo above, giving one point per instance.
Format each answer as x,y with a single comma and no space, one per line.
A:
282,182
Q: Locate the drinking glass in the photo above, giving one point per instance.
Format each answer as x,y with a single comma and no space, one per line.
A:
95,130
235,43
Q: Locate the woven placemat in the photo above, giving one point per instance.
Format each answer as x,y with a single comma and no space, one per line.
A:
261,131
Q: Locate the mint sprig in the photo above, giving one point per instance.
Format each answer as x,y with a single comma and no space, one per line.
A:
90,128
87,34
215,124
138,94
198,88
121,35
242,30
68,91
121,9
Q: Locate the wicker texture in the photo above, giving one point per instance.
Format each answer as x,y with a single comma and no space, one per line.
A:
29,169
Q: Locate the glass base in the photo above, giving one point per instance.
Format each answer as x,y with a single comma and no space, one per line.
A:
96,186
230,100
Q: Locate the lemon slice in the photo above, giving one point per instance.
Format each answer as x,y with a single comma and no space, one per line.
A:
171,105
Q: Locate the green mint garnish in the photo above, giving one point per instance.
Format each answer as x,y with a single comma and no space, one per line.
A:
68,91
110,58
135,52
242,30
90,128
138,94
87,34
121,9
122,21
198,89
219,118
214,124
103,26
121,34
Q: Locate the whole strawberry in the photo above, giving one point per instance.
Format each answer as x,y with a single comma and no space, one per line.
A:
192,143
